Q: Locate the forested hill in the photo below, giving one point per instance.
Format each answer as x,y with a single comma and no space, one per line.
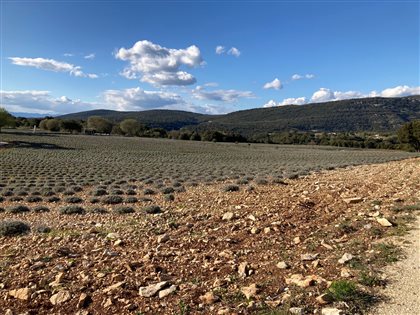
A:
364,114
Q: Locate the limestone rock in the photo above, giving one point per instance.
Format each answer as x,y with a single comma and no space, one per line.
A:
308,257
346,257
330,311
60,297
163,238
167,291
353,200
301,281
250,291
21,294
384,222
152,289
228,216
209,298
282,265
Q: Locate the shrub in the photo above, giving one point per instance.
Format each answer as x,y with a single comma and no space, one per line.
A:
153,209
230,188
167,190
22,193
98,210
242,181
43,229
48,193
15,198
19,209
73,200
117,192
131,200
1,199
112,200
72,210
94,200
34,199
148,191
124,210
261,181
130,192
2,210
99,192
54,199
144,199
342,290
41,209
12,228
77,188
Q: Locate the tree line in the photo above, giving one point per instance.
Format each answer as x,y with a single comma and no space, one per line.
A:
407,137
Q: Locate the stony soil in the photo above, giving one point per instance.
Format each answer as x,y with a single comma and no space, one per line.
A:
216,252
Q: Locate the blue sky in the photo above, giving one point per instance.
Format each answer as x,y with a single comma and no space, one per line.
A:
67,56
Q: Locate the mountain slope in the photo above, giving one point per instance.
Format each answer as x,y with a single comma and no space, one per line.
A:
366,114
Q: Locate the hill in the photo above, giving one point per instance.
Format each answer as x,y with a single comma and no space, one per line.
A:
364,114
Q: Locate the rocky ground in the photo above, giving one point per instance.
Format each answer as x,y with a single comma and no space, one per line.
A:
316,244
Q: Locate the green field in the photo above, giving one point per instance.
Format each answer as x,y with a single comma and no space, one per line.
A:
53,159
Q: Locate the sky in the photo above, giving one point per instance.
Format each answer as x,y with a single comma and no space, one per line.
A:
204,56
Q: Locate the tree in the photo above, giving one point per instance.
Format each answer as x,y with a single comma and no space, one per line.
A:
53,124
71,125
5,118
409,134
99,124
130,127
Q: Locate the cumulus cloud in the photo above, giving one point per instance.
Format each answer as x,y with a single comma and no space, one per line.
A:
220,50
234,52
286,101
139,99
159,65
305,76
52,65
220,95
90,56
328,95
275,84
68,55
41,102
402,90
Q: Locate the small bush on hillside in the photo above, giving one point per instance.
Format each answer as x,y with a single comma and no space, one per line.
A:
41,209
112,200
43,229
73,199
152,209
131,200
72,210
54,199
34,199
98,210
19,209
169,197
148,191
167,190
15,199
13,228
130,192
230,188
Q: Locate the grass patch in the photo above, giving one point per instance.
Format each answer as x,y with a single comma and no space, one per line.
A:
387,253
347,291
406,208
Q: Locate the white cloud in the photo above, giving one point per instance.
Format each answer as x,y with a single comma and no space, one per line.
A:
138,99
402,90
305,76
68,55
287,101
159,65
220,95
90,56
275,84
325,95
234,52
220,50
52,65
41,102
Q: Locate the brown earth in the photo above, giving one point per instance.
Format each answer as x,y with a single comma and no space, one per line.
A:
208,259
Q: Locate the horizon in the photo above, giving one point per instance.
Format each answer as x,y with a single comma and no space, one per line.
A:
216,58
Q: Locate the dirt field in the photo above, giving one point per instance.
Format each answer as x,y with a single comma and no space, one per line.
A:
275,248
